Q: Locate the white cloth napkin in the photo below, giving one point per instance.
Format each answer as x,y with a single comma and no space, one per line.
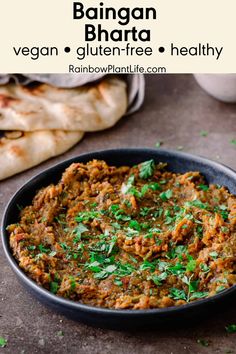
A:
135,82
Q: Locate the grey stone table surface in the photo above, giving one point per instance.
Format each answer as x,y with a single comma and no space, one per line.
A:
175,112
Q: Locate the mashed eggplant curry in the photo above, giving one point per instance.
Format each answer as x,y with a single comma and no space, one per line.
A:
129,237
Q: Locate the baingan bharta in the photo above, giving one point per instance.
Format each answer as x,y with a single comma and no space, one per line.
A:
124,237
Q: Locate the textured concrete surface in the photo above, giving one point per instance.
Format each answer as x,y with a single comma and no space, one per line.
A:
175,112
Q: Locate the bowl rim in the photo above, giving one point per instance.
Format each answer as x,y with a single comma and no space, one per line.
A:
73,305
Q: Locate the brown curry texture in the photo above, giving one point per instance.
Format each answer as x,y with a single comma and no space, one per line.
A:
128,237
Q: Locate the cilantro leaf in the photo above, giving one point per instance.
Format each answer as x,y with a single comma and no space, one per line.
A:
43,249
191,265
197,203
177,294
148,265
87,215
204,268
78,230
203,133
203,342
233,141
158,144
3,342
154,186
176,269
147,169
134,224
220,288
231,328
158,279
166,195
60,333
54,287
118,282
128,185
124,269
203,187
198,295
213,254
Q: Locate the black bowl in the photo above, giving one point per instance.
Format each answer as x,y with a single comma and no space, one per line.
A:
121,319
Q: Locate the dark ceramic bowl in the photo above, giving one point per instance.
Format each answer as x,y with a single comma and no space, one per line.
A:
121,319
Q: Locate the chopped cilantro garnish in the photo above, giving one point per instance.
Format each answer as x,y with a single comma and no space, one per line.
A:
134,224
133,259
203,187
231,328
177,269
204,268
203,133
163,265
94,266
52,254
60,219
124,269
203,342
158,144
72,283
197,203
78,230
158,213
129,184
144,190
185,226
54,287
158,279
130,233
116,225
144,211
31,247
178,251
166,195
220,288
198,295
87,215
3,342
43,249
213,254
224,229
233,141
158,242
193,292
199,230
118,282
178,294
154,186
147,169
105,272
127,203
191,265
148,235
64,246
148,265
60,333
223,210
118,213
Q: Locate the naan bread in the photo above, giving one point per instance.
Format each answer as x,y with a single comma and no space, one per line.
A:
87,108
22,150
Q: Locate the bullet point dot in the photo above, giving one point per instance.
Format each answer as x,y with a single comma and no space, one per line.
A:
161,49
67,49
